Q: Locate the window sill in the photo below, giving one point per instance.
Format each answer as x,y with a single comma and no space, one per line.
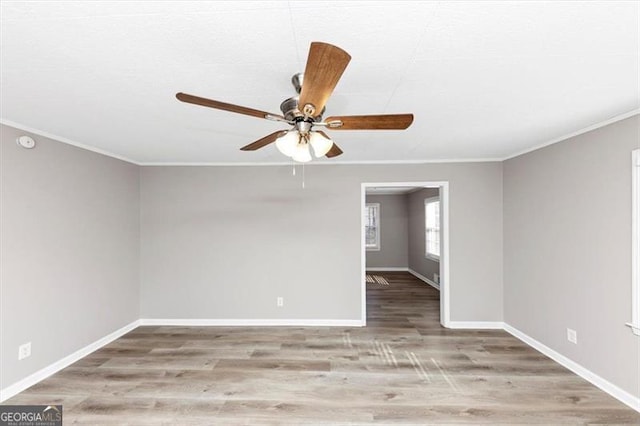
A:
373,248
635,329
432,257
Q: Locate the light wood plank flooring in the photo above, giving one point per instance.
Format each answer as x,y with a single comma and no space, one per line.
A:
402,368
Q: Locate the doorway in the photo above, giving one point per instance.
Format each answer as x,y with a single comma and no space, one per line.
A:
368,240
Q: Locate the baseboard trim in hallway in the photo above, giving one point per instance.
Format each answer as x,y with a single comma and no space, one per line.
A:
423,278
51,369
608,387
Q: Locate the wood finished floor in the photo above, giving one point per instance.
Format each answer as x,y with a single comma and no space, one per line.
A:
402,368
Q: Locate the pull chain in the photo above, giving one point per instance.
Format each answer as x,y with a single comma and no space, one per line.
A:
293,172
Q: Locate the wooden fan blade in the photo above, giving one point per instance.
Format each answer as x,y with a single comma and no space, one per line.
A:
191,99
325,66
334,151
371,122
260,143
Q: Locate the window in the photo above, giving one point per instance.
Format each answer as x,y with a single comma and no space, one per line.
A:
372,226
635,273
432,228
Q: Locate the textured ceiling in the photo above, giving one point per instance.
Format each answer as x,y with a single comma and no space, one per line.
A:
485,80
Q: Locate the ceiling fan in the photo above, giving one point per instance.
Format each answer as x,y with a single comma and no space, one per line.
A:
325,66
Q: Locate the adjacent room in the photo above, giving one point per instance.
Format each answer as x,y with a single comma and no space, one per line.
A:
403,233
407,219
304,212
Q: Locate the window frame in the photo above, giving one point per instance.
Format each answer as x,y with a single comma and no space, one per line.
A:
427,254
378,210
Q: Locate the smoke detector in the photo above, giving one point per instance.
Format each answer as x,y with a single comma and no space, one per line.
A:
26,142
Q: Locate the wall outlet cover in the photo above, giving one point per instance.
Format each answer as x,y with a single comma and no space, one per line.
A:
24,351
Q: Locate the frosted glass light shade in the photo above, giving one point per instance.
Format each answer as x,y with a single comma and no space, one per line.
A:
321,145
287,144
302,154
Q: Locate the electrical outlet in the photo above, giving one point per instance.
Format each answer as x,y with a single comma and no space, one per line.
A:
572,336
24,351
280,302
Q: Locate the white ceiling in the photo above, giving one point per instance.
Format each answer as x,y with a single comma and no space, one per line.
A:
485,80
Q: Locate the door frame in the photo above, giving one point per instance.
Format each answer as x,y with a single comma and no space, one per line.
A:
443,186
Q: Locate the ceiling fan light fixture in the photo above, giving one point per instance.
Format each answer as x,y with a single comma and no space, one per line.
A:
320,144
302,154
288,143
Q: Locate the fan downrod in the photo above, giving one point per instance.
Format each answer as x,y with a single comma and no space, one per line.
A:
297,81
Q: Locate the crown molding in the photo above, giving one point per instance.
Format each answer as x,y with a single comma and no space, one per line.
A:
316,163
579,132
323,163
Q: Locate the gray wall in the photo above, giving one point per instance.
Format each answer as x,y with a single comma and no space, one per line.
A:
393,232
90,244
69,250
418,262
567,245
224,242
84,236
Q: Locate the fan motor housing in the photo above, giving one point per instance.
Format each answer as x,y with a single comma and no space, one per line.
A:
289,108
290,111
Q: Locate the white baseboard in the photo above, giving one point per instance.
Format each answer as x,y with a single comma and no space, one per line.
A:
251,322
477,325
613,390
45,372
388,268
423,278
